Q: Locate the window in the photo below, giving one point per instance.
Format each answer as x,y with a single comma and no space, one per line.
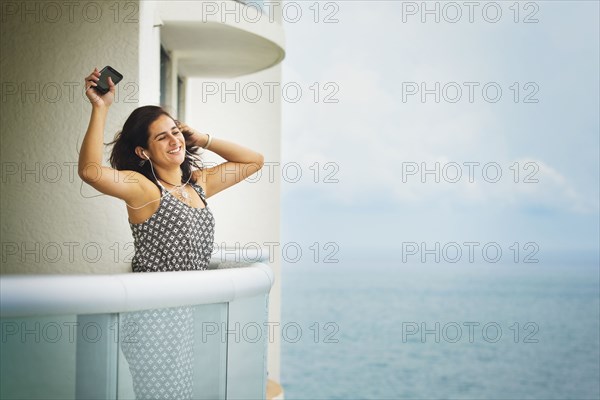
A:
165,73
180,98
172,87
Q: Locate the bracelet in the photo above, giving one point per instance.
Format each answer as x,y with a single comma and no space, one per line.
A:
208,141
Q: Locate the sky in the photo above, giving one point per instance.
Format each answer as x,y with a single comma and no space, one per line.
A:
503,102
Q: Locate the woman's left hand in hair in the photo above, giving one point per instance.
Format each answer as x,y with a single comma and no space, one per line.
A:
192,136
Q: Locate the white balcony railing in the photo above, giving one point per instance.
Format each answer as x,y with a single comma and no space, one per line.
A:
97,336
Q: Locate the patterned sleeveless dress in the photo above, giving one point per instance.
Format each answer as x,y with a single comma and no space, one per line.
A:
159,344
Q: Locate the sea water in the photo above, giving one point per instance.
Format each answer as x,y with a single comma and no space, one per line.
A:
384,330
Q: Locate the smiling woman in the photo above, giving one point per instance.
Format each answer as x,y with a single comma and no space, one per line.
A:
155,171
151,134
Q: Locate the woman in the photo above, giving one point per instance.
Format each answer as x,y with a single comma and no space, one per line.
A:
154,171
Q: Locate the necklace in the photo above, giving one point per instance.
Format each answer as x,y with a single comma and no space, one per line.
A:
182,194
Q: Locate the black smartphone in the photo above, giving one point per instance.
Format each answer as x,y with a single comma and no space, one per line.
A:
104,74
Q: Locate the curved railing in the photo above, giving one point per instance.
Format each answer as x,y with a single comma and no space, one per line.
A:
75,336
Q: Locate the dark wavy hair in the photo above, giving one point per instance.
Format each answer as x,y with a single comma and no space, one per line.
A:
135,133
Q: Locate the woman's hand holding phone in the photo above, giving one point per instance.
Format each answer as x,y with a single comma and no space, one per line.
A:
96,97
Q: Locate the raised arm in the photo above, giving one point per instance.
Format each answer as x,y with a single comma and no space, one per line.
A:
125,185
241,162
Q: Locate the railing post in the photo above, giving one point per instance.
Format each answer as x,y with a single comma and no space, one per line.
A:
247,348
96,358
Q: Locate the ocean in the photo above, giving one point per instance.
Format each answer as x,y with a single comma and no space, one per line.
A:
379,330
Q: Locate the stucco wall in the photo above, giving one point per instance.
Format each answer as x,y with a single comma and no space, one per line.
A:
49,224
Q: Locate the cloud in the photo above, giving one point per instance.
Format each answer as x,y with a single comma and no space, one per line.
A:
371,135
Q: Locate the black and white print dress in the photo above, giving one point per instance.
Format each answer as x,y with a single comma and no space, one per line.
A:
159,343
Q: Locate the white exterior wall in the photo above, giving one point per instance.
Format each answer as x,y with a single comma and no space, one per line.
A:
48,226
248,214
149,56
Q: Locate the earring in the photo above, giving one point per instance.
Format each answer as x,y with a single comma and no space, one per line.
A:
142,163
